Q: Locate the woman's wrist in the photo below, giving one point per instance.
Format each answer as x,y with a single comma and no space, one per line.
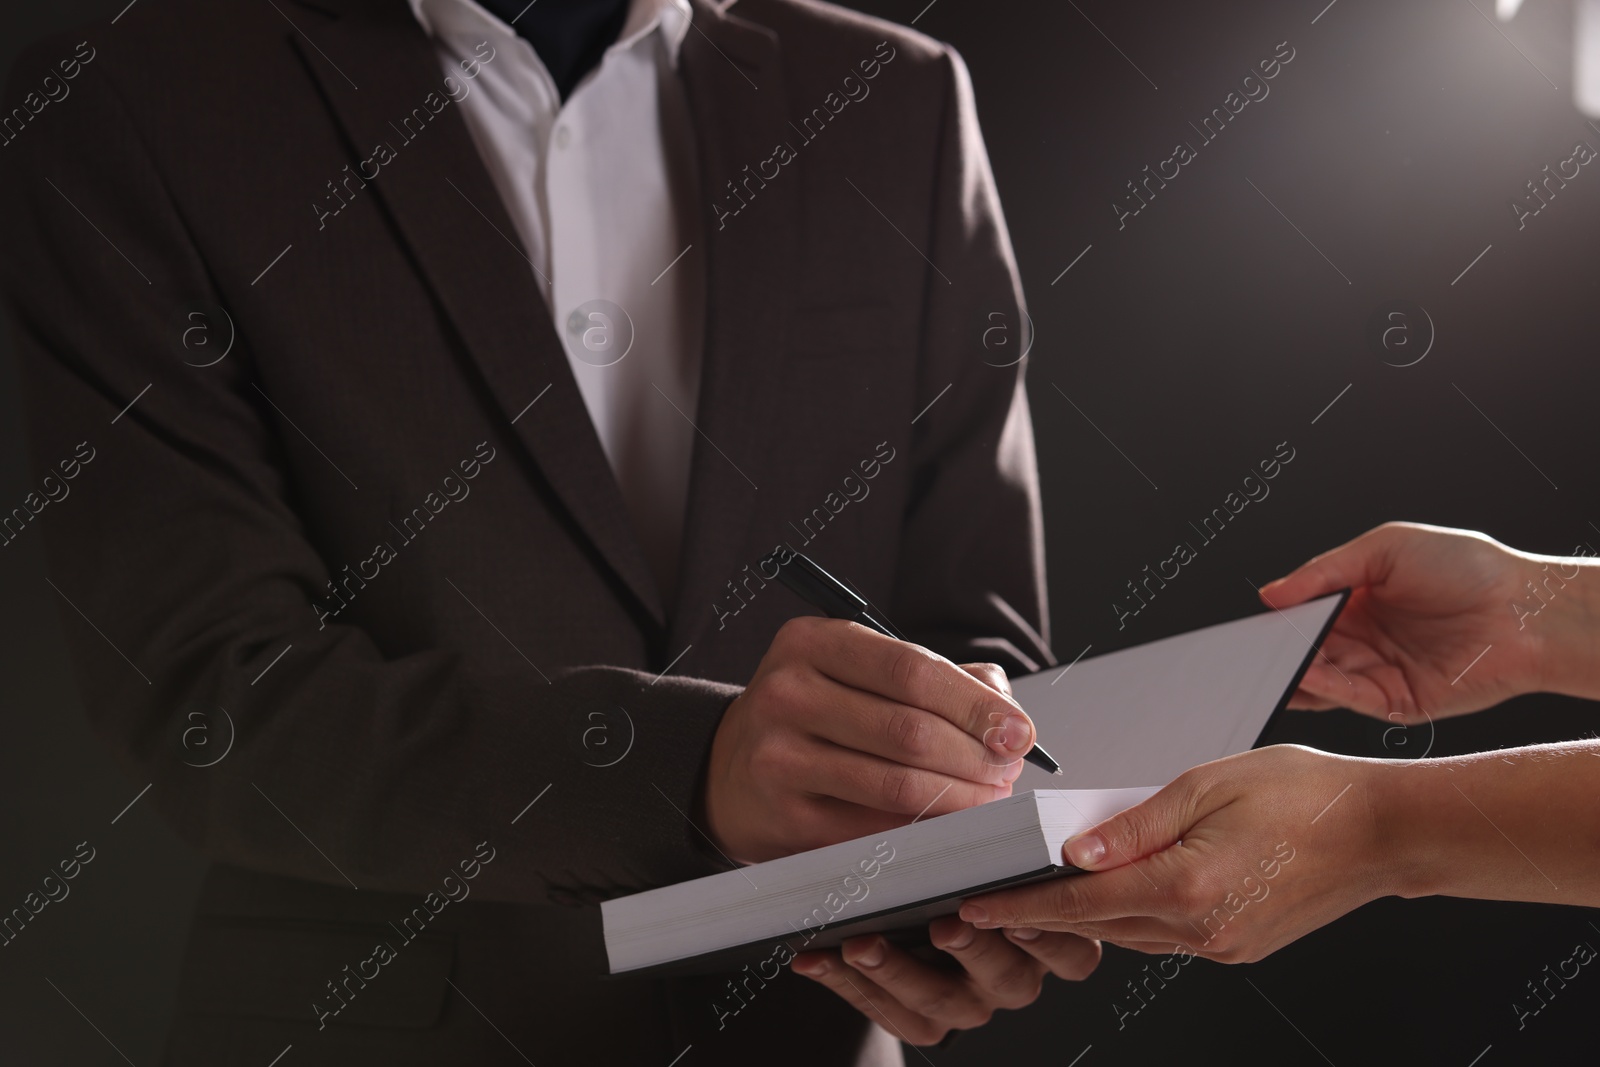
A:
1568,635
1408,857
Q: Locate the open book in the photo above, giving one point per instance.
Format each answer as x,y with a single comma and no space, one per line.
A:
1121,725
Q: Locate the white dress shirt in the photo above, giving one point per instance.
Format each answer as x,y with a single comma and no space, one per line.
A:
601,191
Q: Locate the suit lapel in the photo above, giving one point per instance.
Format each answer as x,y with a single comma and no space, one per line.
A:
446,208
733,74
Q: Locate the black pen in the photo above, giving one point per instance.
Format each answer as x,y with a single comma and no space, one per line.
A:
807,580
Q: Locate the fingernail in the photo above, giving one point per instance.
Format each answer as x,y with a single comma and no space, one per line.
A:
963,937
1085,850
871,956
1024,933
811,968
973,914
1012,772
1016,733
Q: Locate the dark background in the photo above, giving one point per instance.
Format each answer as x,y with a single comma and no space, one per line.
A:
1196,339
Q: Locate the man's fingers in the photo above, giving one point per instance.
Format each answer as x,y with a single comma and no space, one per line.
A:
867,997
994,754
862,985
862,658
901,733
991,675
826,821
1009,976
921,1001
1068,956
945,997
884,785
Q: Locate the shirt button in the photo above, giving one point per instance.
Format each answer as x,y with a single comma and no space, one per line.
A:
563,136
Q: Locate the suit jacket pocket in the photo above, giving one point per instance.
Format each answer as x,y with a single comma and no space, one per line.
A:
282,970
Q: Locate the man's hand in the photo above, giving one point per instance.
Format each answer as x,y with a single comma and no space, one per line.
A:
921,1002
1426,603
844,732
1232,861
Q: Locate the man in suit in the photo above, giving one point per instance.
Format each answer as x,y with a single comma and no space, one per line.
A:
443,501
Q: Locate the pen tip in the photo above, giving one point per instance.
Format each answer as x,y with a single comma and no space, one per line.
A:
1057,771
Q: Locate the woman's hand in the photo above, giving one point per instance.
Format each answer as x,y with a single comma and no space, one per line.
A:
1232,861
1440,622
921,1002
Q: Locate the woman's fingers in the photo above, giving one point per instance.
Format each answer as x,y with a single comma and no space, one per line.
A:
1307,701
1156,948
1066,903
1362,561
1169,931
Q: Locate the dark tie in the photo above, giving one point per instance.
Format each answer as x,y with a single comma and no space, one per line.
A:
570,36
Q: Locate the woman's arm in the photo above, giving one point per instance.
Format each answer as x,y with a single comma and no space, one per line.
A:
1239,857
1519,824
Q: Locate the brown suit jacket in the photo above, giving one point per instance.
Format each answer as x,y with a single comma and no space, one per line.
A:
376,546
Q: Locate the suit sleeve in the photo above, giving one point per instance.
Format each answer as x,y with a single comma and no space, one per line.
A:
970,584
182,570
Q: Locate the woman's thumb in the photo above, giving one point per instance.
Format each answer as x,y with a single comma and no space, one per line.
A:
1155,823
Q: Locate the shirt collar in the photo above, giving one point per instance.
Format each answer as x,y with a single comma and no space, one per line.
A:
450,18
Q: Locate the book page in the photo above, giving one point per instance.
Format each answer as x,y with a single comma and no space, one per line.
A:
1144,715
